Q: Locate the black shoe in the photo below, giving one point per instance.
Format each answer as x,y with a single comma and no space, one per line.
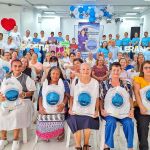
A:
106,148
86,147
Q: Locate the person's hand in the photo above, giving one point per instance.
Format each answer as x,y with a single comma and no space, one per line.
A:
143,110
2,97
100,78
70,112
104,113
42,110
22,95
131,113
96,114
60,107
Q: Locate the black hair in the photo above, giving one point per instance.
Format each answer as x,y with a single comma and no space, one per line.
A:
115,64
16,60
49,74
1,34
72,53
78,59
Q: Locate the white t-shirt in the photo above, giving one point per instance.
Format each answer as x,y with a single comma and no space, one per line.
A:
16,37
91,63
43,40
1,44
7,47
84,97
27,40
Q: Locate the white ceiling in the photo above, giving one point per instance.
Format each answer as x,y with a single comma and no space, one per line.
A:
120,6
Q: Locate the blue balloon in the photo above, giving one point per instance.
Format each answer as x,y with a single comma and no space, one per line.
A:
52,98
117,100
12,95
81,16
85,8
84,99
148,95
80,10
92,19
72,8
6,69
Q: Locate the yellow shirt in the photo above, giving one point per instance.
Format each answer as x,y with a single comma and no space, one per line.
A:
142,82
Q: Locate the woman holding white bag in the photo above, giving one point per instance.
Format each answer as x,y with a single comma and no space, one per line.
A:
116,105
53,98
84,106
142,107
15,107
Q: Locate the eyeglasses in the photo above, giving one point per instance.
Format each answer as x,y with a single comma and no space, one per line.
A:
146,68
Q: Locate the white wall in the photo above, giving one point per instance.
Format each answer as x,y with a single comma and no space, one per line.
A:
146,23
126,25
50,24
27,18
9,12
68,25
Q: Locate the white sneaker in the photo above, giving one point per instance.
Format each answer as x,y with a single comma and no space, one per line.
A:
3,144
15,145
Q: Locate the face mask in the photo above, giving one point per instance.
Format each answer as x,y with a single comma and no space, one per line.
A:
53,64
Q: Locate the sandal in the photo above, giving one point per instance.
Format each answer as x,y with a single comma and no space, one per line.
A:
78,148
61,137
86,147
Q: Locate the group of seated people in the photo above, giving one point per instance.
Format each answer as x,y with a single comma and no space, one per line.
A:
81,92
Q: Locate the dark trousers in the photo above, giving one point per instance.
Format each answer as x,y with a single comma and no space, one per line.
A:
143,122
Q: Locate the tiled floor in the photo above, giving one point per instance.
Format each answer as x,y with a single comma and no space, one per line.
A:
120,143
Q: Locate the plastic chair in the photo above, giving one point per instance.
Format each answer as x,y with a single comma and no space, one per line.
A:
94,133
102,136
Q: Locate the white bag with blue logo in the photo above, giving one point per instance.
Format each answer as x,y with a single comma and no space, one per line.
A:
117,102
145,96
52,95
85,96
11,89
5,65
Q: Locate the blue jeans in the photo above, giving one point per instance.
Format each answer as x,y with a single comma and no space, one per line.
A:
128,128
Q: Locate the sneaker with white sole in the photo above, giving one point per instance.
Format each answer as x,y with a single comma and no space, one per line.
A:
3,144
15,145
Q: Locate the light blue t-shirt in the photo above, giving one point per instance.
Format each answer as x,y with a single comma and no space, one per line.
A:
126,41
119,43
147,55
104,51
145,41
114,51
59,39
135,41
36,40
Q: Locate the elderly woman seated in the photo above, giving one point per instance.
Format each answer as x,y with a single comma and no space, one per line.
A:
84,106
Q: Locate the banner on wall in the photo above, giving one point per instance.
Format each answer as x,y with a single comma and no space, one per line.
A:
88,37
